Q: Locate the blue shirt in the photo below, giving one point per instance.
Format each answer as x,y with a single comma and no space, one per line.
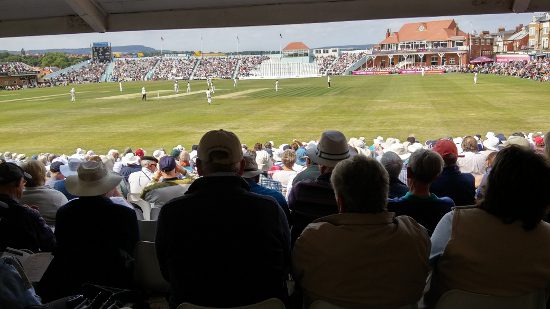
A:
425,210
256,188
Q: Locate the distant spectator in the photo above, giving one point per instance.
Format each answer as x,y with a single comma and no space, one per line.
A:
287,172
419,203
138,180
393,164
165,184
460,187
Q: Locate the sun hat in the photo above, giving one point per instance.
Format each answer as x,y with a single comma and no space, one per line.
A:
223,141
92,179
517,140
70,169
331,149
414,147
400,150
251,167
130,159
491,143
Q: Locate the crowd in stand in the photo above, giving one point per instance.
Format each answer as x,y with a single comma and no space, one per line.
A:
324,63
250,63
132,69
351,221
534,69
344,62
217,67
89,73
15,68
174,68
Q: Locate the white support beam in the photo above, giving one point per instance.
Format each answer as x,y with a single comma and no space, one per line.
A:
90,12
520,6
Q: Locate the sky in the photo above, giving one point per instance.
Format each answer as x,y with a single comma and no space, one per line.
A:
260,37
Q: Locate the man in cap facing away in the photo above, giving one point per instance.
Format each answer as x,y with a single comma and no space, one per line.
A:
20,227
220,245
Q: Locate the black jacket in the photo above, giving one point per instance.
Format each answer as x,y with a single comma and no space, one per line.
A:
460,187
220,245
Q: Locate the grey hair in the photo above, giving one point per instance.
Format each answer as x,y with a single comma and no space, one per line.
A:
392,163
425,165
362,183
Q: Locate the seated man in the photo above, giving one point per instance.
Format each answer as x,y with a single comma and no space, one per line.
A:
138,180
362,256
419,203
96,237
20,226
165,184
460,187
220,245
312,199
393,164
252,173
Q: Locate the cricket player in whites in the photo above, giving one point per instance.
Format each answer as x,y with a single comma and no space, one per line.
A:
188,87
209,96
176,87
73,96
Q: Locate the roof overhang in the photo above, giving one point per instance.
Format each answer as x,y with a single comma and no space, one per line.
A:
39,17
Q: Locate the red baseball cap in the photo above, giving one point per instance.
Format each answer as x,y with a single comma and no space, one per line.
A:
446,148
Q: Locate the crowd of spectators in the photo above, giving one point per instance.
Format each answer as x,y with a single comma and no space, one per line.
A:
132,69
344,62
89,73
174,68
338,193
10,68
216,67
535,69
250,63
324,63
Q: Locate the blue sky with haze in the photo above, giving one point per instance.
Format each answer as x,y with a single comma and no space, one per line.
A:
262,37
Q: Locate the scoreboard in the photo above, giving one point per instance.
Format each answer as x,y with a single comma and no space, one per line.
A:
101,52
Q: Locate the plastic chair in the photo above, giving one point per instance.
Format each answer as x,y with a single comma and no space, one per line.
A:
147,270
145,207
457,299
321,304
147,230
155,211
272,303
139,213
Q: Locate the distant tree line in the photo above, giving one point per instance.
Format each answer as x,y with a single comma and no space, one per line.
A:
56,59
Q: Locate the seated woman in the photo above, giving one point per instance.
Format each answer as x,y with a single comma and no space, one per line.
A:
36,194
500,247
95,236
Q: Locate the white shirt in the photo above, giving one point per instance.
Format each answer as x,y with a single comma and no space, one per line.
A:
138,180
143,90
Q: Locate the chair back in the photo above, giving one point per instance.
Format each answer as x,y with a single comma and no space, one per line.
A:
155,211
145,207
455,299
272,303
147,230
321,304
147,270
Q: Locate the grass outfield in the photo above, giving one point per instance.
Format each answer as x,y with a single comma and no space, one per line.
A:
40,120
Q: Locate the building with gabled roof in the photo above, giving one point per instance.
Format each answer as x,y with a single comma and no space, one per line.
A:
296,49
422,44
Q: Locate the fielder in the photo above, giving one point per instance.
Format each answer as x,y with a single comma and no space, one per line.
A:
73,96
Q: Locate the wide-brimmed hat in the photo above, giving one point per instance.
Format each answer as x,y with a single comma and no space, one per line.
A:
400,150
517,140
130,159
331,149
92,179
251,167
70,169
491,143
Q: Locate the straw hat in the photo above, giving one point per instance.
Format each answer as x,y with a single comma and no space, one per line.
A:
93,179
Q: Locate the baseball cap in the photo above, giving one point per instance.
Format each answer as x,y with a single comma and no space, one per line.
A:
446,148
223,141
10,172
54,167
167,163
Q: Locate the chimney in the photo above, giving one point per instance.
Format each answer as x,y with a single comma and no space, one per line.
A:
388,33
501,29
519,28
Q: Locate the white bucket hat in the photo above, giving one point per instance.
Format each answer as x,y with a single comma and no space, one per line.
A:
93,179
331,149
130,159
71,167
491,143
400,150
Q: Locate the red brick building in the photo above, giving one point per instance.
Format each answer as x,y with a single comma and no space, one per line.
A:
422,44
